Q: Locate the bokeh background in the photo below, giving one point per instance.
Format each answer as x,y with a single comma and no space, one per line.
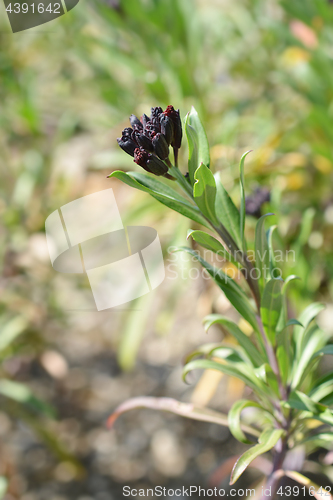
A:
260,74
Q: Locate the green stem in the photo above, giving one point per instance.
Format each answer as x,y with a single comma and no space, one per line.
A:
273,360
175,172
224,235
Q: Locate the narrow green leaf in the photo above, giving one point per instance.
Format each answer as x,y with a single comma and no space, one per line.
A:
203,350
234,354
271,307
237,333
152,183
316,340
272,264
226,211
3,487
208,241
283,356
284,350
328,349
306,226
266,374
193,149
312,409
234,419
314,489
134,327
290,278
162,193
242,371
305,319
11,330
300,401
292,322
22,394
267,440
323,436
197,143
324,382
242,208
262,252
204,191
232,291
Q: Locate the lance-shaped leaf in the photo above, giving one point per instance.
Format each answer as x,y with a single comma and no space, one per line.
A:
262,252
186,410
305,319
22,394
242,207
267,440
197,143
204,192
203,350
303,365
234,354
226,211
322,436
3,487
162,193
300,401
208,241
322,387
11,330
287,281
293,322
232,291
266,374
237,333
328,349
274,272
284,350
242,371
318,492
221,351
311,409
234,419
271,307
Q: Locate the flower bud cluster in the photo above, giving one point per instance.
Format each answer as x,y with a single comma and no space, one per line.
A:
149,138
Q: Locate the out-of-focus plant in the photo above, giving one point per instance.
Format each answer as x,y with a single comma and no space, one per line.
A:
279,361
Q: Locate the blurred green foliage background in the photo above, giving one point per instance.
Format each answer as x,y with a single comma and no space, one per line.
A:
260,74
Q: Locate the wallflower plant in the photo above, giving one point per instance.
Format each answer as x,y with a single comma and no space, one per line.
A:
279,361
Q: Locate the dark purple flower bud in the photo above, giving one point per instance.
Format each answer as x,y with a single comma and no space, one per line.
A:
126,141
166,128
144,120
254,202
177,126
155,112
156,166
149,162
141,157
153,128
161,147
144,142
127,132
135,122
